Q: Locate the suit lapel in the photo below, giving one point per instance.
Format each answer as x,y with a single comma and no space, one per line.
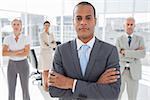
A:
75,58
133,41
125,42
95,49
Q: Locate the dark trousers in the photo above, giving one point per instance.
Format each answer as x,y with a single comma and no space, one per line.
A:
21,68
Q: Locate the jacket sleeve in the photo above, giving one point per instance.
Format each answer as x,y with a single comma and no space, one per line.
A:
58,67
52,41
136,54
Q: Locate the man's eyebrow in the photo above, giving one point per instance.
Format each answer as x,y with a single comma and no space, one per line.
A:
88,15
78,16
85,16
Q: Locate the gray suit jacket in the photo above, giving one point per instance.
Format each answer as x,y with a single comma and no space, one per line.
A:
103,56
131,55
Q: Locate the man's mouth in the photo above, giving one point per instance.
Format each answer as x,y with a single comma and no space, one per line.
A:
83,28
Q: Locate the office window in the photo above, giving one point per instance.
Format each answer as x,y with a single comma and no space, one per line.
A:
143,27
142,5
14,5
119,6
35,27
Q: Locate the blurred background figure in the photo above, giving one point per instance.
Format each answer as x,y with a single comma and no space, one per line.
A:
47,43
17,47
131,49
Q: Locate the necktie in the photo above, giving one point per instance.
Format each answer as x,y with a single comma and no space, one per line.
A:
83,58
129,40
16,38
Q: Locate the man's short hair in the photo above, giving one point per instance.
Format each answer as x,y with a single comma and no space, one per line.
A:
46,22
85,3
129,18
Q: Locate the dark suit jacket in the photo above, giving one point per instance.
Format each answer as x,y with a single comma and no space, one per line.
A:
103,56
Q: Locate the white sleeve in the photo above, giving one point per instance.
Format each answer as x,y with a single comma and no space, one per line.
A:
5,42
74,85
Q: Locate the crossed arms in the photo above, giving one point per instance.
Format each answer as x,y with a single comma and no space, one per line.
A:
107,86
19,53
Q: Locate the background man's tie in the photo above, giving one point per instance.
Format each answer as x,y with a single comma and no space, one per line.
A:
83,58
129,40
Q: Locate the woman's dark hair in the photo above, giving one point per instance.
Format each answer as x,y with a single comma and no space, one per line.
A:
46,22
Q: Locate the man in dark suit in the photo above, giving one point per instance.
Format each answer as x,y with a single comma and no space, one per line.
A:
85,74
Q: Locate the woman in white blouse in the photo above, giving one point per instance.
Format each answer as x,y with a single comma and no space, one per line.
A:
17,47
47,43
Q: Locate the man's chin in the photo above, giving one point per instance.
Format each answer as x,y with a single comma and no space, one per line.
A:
85,36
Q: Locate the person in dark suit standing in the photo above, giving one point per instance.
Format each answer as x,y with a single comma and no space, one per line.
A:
85,68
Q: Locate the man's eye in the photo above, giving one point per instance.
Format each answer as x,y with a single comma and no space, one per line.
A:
79,18
88,18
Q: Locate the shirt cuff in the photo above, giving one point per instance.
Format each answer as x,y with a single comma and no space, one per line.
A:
74,85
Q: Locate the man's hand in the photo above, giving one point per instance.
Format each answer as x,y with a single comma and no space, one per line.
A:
140,48
122,52
109,76
60,81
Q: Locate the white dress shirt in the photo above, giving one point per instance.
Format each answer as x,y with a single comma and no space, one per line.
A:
129,35
19,45
79,44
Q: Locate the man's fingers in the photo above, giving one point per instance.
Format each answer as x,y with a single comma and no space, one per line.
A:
109,78
113,77
110,73
52,77
110,70
52,84
51,81
53,73
111,81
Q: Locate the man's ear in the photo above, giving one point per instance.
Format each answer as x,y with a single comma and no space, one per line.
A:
124,25
95,21
73,21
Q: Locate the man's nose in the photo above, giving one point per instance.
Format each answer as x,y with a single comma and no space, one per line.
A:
83,22
129,26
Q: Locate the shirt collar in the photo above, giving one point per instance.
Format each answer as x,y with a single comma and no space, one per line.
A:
80,43
129,35
18,36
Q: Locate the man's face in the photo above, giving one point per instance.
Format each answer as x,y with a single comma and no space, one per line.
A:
84,21
129,26
16,25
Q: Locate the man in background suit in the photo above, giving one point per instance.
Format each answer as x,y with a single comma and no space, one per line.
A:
131,49
98,79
